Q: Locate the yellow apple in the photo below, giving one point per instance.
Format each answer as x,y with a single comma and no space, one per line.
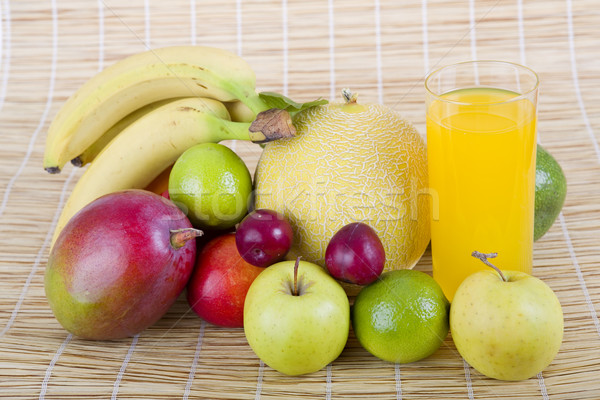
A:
507,325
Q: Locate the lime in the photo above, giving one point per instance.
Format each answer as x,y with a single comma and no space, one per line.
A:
402,317
550,191
212,185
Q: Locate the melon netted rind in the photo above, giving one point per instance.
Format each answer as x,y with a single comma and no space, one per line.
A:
342,167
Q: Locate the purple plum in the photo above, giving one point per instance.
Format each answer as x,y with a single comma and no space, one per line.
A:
355,254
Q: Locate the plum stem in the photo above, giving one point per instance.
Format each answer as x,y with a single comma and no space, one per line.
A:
484,256
179,237
295,293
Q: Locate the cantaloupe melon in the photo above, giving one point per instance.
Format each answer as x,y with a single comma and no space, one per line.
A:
349,162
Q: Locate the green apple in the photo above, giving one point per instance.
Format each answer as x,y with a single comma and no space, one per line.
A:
507,325
296,317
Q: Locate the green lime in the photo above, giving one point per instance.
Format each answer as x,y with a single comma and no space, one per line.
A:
550,191
212,184
402,317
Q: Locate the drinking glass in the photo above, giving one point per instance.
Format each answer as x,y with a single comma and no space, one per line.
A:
481,146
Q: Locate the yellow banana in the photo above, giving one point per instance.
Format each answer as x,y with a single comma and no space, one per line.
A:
150,144
95,148
239,112
141,79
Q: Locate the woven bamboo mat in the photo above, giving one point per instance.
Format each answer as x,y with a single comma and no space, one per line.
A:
305,49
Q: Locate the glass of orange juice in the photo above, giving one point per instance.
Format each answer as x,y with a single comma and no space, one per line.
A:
481,146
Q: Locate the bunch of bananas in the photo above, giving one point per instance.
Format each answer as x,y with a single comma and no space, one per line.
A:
136,117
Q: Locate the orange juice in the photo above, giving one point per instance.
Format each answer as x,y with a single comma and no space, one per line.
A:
481,157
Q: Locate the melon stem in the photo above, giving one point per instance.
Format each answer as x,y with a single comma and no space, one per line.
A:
349,97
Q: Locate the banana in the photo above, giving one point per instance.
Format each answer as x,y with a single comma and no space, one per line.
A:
150,144
239,112
95,148
141,79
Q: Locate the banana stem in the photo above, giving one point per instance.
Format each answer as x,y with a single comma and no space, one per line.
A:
234,130
240,131
270,123
253,102
277,127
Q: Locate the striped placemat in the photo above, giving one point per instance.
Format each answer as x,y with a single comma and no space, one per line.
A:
382,49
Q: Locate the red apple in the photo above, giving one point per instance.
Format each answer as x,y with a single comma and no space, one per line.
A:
220,281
